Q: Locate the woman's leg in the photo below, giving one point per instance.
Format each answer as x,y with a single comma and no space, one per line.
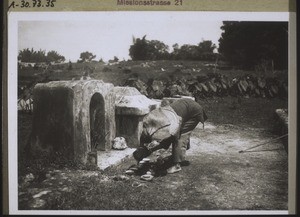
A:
179,148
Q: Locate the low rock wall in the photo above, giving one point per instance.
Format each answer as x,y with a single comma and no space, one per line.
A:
281,125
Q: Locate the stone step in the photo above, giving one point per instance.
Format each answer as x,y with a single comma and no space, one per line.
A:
106,159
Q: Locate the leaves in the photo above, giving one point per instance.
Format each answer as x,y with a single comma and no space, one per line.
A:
244,85
200,87
264,44
257,91
224,83
212,86
215,84
274,89
32,56
157,85
251,85
204,87
261,82
87,56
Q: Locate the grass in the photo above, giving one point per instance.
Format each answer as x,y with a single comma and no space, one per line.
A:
92,193
252,112
118,73
186,190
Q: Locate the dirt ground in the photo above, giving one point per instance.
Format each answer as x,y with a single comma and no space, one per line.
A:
218,178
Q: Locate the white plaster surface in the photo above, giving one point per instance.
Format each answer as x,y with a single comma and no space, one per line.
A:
112,157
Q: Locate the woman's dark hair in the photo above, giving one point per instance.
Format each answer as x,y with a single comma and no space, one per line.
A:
145,139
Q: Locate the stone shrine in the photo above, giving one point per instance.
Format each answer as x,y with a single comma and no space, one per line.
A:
80,119
73,118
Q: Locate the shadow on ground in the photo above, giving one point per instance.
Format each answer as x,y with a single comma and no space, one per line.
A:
218,178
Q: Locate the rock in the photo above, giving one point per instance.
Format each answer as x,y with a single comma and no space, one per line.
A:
168,100
29,177
129,172
92,158
66,189
37,203
281,125
120,178
147,177
119,143
125,91
41,194
105,179
137,105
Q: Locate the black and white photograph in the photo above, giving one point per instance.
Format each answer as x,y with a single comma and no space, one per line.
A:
149,112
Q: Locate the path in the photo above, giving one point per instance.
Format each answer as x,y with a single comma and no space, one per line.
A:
227,179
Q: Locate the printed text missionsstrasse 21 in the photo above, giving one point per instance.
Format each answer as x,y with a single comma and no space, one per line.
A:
147,2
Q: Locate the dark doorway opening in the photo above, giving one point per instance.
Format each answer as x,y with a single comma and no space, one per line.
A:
97,123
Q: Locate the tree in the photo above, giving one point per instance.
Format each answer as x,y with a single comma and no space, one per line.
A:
116,59
247,44
138,51
174,54
70,67
188,52
143,49
25,55
87,57
39,56
30,55
206,46
203,51
157,50
53,56
206,51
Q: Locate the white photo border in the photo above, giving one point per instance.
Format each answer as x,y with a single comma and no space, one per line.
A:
12,52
